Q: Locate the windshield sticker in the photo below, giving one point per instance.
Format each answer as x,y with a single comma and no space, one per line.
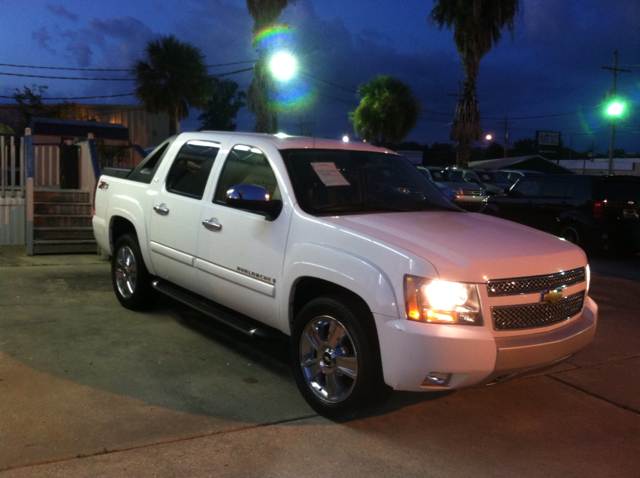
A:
329,174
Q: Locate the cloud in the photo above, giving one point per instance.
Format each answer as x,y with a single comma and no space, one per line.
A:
43,39
109,43
60,11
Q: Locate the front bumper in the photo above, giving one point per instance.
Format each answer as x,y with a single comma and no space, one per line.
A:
468,356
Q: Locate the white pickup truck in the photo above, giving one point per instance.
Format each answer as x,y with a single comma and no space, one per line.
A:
377,278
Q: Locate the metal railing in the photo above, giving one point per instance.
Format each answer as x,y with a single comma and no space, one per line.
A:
12,165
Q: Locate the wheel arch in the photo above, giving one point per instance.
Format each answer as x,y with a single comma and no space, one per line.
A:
308,288
121,223
335,271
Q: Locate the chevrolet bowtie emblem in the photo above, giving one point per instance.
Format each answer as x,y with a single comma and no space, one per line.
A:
552,296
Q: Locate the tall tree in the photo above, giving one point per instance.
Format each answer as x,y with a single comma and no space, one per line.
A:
477,28
265,14
222,106
172,78
388,111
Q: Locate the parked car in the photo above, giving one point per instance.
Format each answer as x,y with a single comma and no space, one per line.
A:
448,193
594,212
492,181
514,174
467,195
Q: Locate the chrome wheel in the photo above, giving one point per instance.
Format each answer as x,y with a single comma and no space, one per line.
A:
126,272
328,359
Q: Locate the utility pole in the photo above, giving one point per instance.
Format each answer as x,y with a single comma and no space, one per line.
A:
615,71
506,135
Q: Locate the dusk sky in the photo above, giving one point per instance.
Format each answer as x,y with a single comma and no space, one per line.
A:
549,77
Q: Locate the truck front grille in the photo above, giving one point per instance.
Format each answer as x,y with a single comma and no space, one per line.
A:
541,314
525,285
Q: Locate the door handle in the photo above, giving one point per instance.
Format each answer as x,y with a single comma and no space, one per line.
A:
162,209
212,224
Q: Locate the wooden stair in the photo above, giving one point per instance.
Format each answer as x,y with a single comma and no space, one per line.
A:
62,222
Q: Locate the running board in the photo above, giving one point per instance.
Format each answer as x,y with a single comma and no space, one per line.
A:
233,319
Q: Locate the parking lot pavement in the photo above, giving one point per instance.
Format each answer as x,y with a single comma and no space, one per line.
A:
88,388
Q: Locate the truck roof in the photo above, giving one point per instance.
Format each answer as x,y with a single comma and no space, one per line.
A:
283,141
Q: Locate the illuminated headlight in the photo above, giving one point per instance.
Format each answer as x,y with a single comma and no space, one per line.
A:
441,302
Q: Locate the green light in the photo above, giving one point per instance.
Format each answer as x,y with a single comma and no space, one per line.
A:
615,108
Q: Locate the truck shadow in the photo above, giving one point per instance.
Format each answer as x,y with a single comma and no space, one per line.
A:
275,356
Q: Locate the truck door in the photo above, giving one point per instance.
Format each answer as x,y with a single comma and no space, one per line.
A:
175,218
241,253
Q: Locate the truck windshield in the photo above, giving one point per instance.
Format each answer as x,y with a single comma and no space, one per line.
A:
329,182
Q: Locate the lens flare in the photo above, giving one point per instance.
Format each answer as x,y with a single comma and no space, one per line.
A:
295,93
274,37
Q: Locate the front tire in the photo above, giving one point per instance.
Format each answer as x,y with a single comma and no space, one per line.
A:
335,357
571,234
131,280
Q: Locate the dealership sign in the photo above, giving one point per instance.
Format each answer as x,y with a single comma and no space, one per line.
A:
548,141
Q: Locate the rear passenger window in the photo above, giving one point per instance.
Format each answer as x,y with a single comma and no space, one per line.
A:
528,187
144,172
190,170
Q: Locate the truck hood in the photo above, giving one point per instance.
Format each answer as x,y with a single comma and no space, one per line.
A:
469,247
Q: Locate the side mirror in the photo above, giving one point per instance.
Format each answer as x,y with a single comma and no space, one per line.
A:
254,199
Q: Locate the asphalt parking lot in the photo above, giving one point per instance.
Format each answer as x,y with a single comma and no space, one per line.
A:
88,388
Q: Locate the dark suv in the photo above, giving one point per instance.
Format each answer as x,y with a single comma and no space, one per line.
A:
595,212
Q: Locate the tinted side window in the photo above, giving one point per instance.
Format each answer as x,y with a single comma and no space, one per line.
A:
190,170
528,187
246,165
557,188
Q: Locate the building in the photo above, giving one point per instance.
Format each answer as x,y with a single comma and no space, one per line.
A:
527,163
145,129
628,166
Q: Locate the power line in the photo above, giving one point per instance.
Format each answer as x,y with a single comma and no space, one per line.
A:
328,82
79,97
107,69
105,79
65,77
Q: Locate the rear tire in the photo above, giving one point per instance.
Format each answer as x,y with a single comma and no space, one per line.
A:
336,357
131,280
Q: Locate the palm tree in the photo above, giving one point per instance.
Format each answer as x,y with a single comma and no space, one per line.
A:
388,111
222,106
477,28
265,13
172,78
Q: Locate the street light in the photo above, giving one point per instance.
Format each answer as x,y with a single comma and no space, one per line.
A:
615,108
283,65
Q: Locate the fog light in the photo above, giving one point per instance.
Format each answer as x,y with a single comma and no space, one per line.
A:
436,378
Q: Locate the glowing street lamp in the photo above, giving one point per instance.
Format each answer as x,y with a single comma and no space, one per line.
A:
283,65
615,108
